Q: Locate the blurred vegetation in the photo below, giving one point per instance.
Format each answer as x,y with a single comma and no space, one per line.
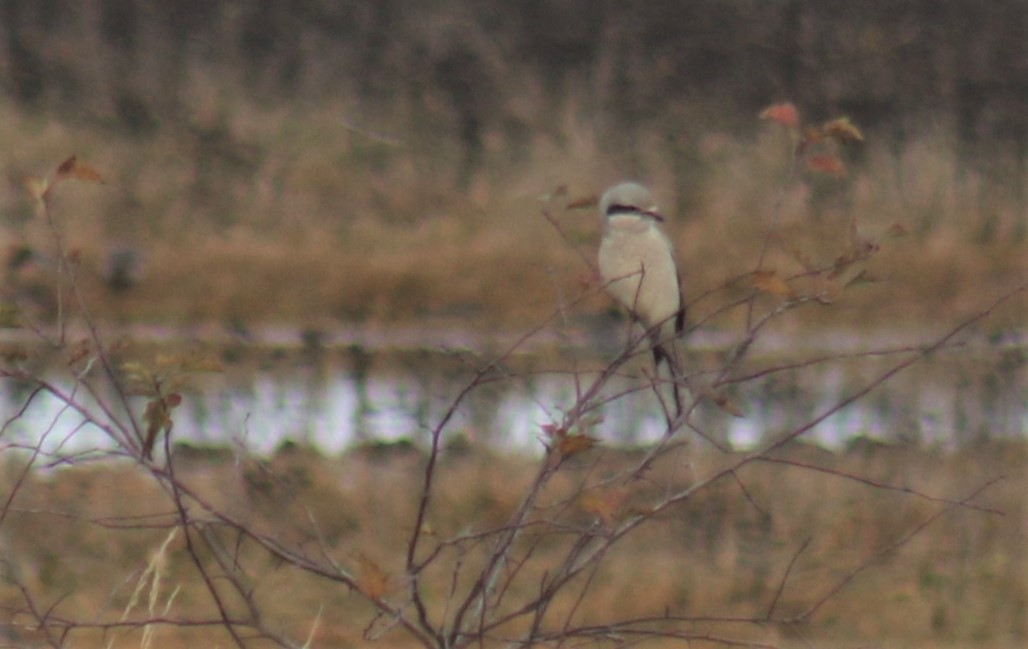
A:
402,145
475,72
961,582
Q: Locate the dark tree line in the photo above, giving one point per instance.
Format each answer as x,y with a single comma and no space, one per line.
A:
465,70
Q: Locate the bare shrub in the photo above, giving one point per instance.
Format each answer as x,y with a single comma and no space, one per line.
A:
579,543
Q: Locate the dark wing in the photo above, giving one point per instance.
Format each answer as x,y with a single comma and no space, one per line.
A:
680,315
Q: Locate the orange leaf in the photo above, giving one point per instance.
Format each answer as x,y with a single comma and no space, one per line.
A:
72,168
574,444
583,202
769,282
595,503
372,581
87,173
608,504
784,113
843,130
827,164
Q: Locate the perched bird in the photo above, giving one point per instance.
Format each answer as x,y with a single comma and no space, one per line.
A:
637,264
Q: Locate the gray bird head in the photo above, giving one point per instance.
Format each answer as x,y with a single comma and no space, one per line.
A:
628,197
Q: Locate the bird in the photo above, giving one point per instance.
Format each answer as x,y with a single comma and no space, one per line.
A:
638,267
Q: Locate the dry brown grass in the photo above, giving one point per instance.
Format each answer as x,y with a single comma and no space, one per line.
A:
286,217
71,540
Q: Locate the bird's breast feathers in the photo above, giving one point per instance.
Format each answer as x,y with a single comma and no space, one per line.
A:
638,267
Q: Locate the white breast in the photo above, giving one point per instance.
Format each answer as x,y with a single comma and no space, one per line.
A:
638,267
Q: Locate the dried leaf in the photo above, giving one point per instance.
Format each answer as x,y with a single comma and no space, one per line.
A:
66,168
158,419
583,202
827,164
722,401
784,113
843,130
372,581
72,168
607,504
571,445
769,282
88,174
594,503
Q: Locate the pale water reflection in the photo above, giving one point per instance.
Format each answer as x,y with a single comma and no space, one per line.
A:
335,397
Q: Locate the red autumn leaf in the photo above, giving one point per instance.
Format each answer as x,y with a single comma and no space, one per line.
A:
784,113
72,168
827,164
65,168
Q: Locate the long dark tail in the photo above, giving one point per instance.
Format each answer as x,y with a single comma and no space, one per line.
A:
660,354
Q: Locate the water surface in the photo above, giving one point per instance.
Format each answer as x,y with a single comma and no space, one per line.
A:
335,391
